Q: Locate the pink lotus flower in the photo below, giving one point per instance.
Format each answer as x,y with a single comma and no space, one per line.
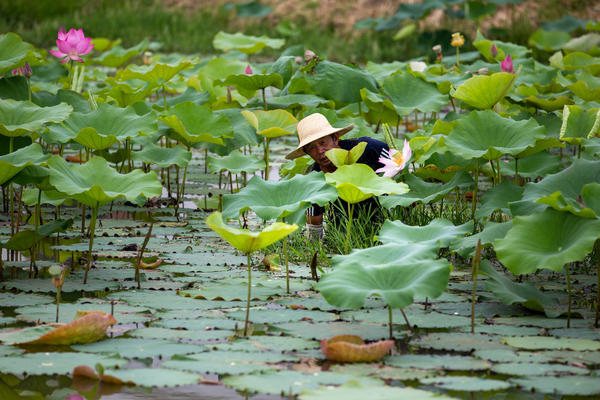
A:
72,45
396,161
248,70
23,71
507,65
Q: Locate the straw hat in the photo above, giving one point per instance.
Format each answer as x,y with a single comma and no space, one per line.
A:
314,127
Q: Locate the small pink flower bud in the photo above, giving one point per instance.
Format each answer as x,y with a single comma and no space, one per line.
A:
309,55
248,70
494,50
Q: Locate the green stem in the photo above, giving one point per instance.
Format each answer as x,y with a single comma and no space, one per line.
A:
499,172
474,200
264,99
569,290
248,301
597,284
390,321
29,87
406,320
141,254
92,229
287,269
58,290
349,227
11,193
266,158
476,261
164,93
457,55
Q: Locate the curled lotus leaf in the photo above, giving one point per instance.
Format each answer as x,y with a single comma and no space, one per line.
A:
341,157
579,124
286,199
103,127
484,91
117,55
12,163
163,157
546,240
216,69
439,232
245,43
485,45
158,73
95,182
236,162
358,182
488,135
271,123
408,92
86,329
13,52
586,86
351,348
19,118
193,123
245,240
252,82
548,40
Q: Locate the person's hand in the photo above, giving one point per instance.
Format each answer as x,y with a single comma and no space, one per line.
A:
314,233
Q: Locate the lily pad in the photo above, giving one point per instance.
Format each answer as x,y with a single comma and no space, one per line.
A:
447,362
461,342
537,369
561,385
48,363
153,377
139,348
551,343
438,233
357,391
466,383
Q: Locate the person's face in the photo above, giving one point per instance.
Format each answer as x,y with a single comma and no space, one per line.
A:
317,149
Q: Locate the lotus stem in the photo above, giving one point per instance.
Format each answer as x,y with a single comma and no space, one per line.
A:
141,254
164,95
406,320
474,200
349,226
205,160
266,158
597,285
287,269
264,97
579,151
516,171
92,229
457,55
11,193
390,321
569,290
58,290
476,261
19,211
180,194
248,301
34,248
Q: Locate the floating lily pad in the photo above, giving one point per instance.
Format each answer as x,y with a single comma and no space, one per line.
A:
537,369
358,391
561,385
8,299
46,363
324,330
461,342
467,383
139,348
551,343
177,334
447,362
153,377
263,343
285,315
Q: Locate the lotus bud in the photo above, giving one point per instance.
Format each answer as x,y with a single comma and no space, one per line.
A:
248,70
437,48
494,50
23,71
309,55
483,71
507,65
147,57
457,40
298,60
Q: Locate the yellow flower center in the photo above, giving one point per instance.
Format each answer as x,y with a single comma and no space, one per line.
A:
398,158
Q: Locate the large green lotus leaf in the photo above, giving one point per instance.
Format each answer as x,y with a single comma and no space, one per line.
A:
157,73
117,56
163,157
578,60
283,199
498,197
549,40
236,162
408,93
534,166
579,124
95,182
246,241
426,192
52,197
484,46
488,135
12,163
546,240
193,123
465,246
271,123
293,382
525,293
379,108
357,391
588,43
13,52
561,385
358,182
586,86
299,101
484,91
327,75
18,118
439,232
341,157
396,281
26,239
245,43
48,363
104,126
127,93
215,69
252,82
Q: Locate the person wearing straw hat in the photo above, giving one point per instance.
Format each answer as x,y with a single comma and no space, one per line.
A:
317,136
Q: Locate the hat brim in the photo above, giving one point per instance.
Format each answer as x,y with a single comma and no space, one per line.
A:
299,151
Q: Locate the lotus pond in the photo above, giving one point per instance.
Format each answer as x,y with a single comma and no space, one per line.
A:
148,209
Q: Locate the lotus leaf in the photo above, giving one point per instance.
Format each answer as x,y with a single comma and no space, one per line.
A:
252,8
326,77
193,123
117,55
397,281
488,135
438,233
549,40
586,86
245,43
535,165
127,93
48,363
245,240
432,361
498,197
579,124
426,192
561,385
163,157
546,240
95,182
11,164
548,342
578,60
409,93
465,246
283,200
358,182
272,123
355,391
215,69
157,73
483,91
484,46
467,383
341,157
103,127
52,197
149,377
139,348
26,239
380,109
236,162
13,52
351,348
526,294
19,118
252,82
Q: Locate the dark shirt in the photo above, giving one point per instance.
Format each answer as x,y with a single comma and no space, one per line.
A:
370,157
